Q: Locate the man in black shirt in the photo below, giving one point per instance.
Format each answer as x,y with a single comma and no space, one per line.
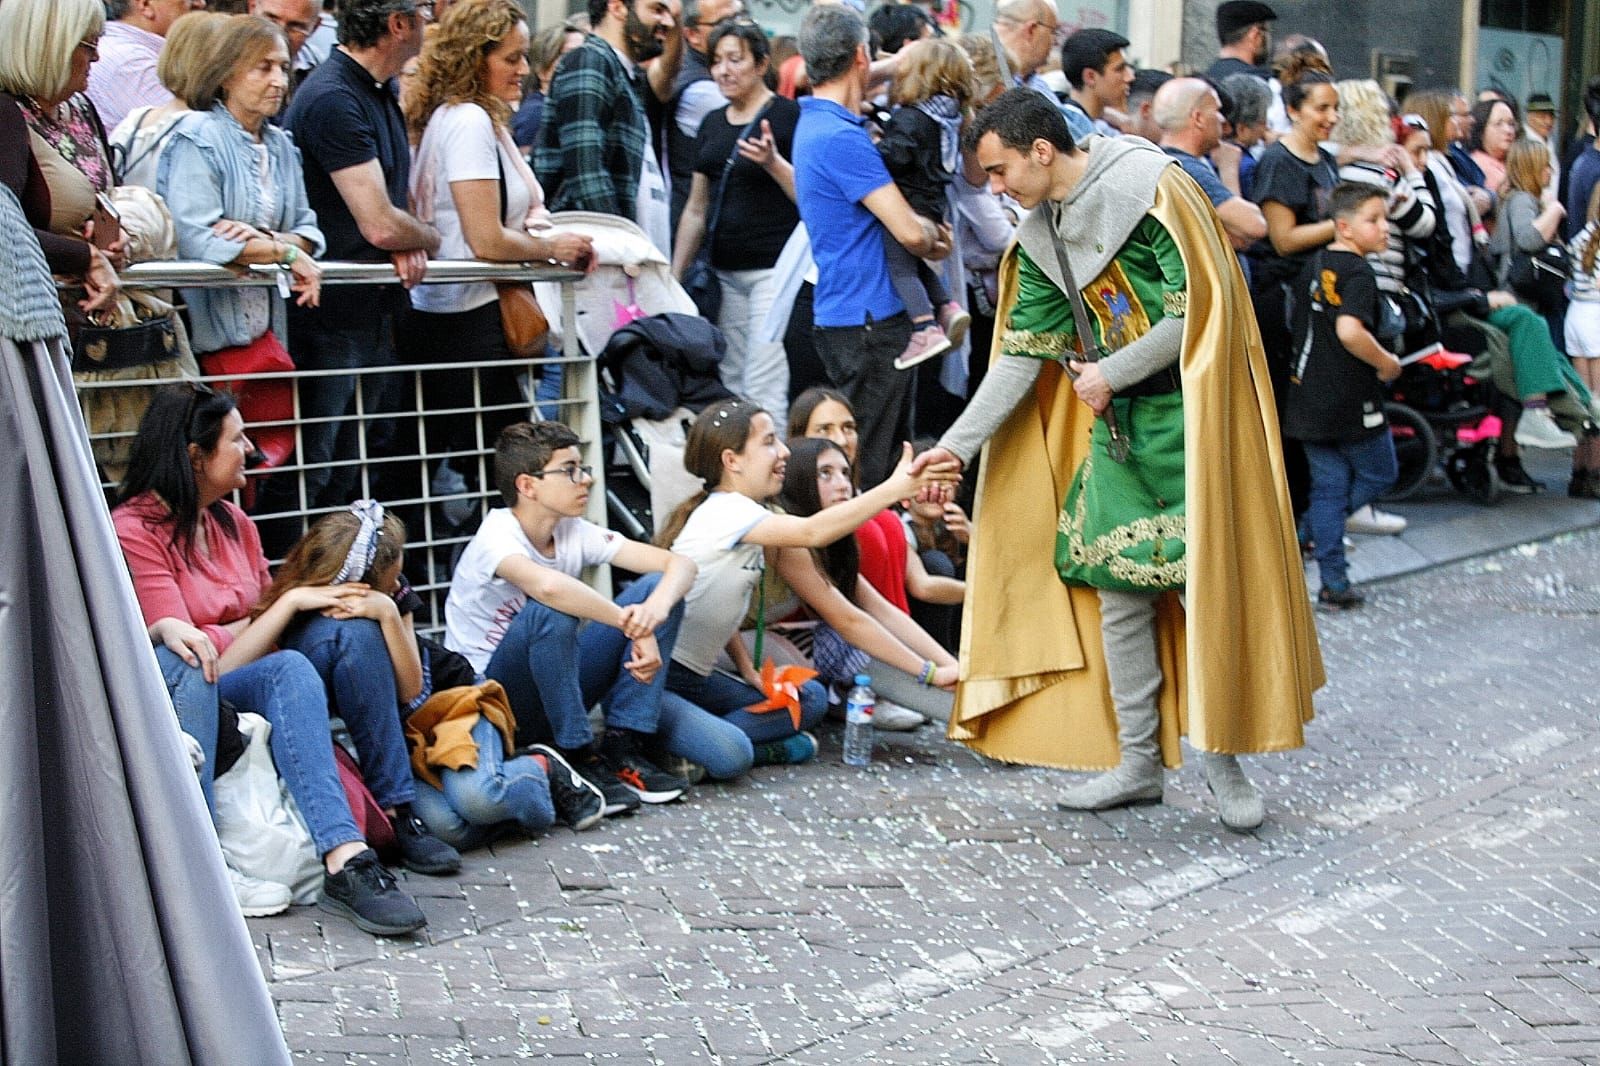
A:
1246,37
357,172
694,94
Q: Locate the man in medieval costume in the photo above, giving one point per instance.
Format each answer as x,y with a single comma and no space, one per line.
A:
1146,454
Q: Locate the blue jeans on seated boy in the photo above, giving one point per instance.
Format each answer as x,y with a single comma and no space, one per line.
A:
476,805
285,690
1345,477
353,661
554,667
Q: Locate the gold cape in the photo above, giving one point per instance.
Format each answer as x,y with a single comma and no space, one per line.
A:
1239,679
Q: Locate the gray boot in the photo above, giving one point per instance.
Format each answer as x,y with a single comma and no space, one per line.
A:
1127,629
1238,802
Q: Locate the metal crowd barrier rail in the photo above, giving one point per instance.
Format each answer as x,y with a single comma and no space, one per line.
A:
439,510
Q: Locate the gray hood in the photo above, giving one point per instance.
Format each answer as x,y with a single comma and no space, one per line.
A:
1094,221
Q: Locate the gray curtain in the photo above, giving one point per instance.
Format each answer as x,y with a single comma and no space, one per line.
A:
120,941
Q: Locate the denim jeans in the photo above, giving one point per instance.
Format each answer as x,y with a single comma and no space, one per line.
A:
727,697
476,804
1345,477
195,700
555,670
352,660
752,368
285,690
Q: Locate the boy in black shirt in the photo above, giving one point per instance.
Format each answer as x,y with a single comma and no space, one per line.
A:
1335,401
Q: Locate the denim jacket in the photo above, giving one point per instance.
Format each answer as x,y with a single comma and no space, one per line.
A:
207,173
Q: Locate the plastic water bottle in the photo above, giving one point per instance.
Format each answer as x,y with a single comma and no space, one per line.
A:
858,722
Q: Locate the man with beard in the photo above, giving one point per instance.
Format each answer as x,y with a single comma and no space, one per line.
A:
1246,37
594,150
1100,629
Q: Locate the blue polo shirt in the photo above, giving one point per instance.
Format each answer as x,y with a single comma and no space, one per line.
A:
1204,174
835,167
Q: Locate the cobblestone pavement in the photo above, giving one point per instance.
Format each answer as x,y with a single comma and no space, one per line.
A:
1425,890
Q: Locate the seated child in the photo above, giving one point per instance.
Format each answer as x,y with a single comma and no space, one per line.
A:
466,793
727,529
516,610
1336,393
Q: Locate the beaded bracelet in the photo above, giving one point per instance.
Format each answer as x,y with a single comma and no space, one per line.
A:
928,670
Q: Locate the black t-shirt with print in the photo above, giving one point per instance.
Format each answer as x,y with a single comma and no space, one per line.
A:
1303,188
1333,396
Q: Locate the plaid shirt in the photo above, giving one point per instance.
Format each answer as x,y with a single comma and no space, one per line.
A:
594,134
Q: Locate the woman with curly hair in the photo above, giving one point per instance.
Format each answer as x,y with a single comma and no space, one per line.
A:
470,180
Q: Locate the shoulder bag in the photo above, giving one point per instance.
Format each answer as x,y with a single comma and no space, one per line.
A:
521,318
1539,277
700,280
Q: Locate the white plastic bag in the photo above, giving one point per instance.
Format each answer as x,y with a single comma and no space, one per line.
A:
261,831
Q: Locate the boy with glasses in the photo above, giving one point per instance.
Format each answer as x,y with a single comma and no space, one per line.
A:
518,610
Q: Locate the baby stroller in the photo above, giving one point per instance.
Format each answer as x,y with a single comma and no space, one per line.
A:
1438,411
658,368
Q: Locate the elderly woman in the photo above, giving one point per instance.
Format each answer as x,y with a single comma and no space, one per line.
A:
233,183
199,573
139,138
52,154
470,180
743,195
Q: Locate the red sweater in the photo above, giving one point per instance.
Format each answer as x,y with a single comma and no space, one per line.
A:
882,543
208,591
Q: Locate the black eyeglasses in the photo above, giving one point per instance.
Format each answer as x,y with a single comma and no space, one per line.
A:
572,472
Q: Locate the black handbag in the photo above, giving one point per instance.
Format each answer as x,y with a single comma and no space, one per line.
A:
1540,277
700,281
120,347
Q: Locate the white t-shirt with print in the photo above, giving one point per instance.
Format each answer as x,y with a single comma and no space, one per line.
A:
481,606
462,141
729,570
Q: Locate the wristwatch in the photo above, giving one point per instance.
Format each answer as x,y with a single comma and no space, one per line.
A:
290,254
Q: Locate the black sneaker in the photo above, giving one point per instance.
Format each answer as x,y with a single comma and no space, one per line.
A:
593,767
1340,599
1585,485
577,800
367,893
1514,479
642,777
420,851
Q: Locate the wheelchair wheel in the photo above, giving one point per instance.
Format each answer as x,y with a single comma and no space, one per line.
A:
1416,449
1472,473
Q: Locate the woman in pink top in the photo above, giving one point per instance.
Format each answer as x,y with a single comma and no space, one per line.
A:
198,570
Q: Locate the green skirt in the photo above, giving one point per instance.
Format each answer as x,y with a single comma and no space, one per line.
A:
1122,525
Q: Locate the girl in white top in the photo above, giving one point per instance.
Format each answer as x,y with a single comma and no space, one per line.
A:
1583,337
139,138
734,447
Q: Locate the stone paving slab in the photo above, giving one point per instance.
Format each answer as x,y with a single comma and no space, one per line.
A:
1427,889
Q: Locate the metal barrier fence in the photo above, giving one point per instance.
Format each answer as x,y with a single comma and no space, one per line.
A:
440,511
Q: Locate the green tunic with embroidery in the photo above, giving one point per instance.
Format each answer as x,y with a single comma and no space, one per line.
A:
1122,524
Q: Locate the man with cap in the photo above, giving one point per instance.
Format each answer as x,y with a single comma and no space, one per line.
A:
1541,123
1246,39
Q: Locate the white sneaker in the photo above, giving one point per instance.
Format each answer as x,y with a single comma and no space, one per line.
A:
893,718
1373,521
258,898
1537,429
